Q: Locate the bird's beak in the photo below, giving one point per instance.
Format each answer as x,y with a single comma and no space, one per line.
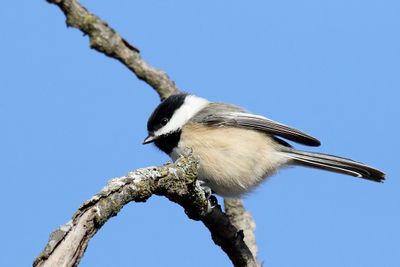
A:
149,139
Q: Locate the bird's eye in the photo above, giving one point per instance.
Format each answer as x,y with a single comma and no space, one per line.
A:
164,121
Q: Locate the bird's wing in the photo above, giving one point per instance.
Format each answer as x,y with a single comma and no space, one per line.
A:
259,123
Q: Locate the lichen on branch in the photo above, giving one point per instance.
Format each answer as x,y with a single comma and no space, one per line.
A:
177,182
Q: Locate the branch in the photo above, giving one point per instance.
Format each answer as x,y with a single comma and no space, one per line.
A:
177,182
107,41
242,219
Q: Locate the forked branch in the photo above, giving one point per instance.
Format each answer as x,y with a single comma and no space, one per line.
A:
176,181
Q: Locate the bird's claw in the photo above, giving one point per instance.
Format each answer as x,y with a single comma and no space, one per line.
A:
207,190
212,200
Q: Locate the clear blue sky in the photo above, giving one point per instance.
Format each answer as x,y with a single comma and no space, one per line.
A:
71,119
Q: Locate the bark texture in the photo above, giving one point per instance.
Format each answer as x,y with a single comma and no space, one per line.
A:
177,182
242,219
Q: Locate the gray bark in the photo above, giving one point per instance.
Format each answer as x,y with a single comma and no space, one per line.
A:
177,182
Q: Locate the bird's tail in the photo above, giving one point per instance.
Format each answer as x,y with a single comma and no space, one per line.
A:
333,164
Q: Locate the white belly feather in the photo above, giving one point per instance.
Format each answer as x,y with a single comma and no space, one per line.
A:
232,160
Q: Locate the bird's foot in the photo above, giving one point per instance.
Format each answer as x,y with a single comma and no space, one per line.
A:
207,190
212,200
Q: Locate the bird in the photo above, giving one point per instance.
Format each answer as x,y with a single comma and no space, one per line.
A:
237,150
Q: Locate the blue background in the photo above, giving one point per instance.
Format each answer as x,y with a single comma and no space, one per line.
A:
71,119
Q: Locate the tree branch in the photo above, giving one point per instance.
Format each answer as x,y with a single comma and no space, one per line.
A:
177,182
242,219
107,41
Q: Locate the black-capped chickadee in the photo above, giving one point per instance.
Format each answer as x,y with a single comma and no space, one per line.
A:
237,150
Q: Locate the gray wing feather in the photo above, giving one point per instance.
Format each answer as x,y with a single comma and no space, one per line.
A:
237,117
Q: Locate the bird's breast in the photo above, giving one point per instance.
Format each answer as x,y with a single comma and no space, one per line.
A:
232,160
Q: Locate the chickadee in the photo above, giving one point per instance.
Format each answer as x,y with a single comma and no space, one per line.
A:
237,150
